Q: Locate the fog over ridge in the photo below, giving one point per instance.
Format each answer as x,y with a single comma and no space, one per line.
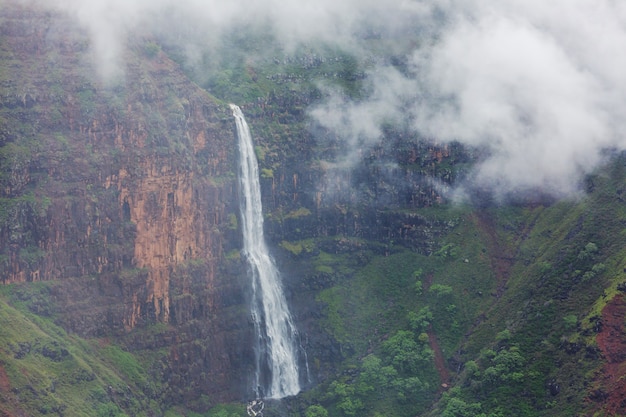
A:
541,86
530,82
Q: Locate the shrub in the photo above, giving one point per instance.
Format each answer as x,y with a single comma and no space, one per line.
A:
316,411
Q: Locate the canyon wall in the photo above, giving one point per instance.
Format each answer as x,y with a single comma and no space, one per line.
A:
121,194
104,178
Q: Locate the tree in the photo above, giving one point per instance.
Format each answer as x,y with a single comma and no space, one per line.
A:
459,408
350,406
440,290
506,365
347,401
420,321
374,374
471,369
404,353
408,388
316,411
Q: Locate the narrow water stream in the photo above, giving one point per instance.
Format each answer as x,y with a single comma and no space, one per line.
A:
277,373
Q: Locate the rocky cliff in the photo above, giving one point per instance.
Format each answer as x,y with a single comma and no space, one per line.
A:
120,193
135,176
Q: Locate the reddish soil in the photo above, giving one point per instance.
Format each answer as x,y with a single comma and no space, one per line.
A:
428,282
5,387
5,384
500,255
609,390
501,258
440,363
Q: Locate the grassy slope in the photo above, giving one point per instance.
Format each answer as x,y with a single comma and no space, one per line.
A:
528,282
371,301
52,372
379,292
567,261
46,371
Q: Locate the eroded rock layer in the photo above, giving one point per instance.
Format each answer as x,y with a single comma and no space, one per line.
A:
121,192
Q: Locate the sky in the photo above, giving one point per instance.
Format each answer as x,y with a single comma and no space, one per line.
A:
539,86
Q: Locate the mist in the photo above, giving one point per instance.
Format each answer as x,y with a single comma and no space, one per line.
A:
539,86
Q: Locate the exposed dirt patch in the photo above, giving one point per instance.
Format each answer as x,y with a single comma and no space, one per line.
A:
609,391
500,255
428,281
5,394
440,363
5,384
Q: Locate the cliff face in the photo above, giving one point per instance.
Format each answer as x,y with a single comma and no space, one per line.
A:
121,193
109,176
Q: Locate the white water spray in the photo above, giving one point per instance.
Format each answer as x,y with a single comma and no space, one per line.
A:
276,361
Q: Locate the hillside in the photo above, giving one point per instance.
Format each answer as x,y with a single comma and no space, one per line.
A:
122,286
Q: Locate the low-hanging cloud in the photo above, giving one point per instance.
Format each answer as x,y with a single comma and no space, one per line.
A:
199,23
539,85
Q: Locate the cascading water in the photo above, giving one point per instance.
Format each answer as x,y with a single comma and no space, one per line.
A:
277,373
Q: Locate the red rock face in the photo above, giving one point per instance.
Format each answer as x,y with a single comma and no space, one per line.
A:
121,194
5,384
142,153
610,387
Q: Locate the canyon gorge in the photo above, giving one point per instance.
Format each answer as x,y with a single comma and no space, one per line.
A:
128,271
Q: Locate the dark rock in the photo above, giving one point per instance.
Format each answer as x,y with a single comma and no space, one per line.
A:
570,347
592,352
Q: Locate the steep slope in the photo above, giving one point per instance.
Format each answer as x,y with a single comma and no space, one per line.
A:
119,246
542,344
46,371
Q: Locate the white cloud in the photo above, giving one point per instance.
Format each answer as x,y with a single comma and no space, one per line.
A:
538,84
541,85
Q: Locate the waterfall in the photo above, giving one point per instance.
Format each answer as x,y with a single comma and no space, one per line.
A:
276,353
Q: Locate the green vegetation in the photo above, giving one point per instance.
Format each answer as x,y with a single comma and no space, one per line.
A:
382,308
513,295
52,372
152,49
226,410
297,248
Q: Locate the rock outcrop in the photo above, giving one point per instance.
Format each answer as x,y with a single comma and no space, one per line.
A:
101,179
121,193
